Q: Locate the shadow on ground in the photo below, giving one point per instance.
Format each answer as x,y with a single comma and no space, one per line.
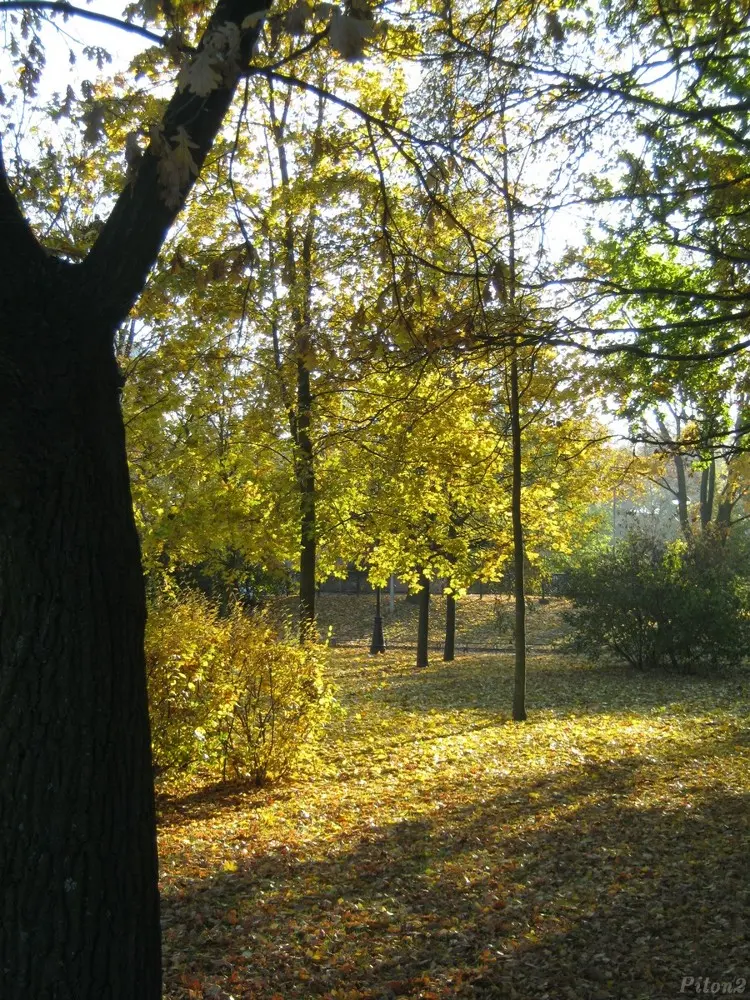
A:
571,886
559,684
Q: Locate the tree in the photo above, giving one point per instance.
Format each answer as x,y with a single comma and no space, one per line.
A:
663,271
76,799
72,694
80,914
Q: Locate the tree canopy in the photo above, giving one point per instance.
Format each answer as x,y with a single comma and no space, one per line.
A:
296,287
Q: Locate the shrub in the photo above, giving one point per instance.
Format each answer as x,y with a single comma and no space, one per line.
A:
279,699
185,645
657,604
234,692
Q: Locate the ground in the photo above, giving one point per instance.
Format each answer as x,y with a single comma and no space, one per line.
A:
482,623
434,849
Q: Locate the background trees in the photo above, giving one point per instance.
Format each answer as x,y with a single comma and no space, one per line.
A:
366,310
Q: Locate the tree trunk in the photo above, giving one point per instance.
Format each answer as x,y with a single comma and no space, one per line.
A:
79,905
708,487
682,496
305,461
424,621
519,680
449,650
78,868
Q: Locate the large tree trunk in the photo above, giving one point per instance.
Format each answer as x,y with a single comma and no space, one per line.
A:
79,912
78,869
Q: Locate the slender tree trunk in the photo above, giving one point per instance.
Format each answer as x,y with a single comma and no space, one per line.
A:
424,621
449,650
724,517
306,483
519,680
298,267
708,486
682,496
78,870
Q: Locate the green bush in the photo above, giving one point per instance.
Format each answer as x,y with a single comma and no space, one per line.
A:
655,604
230,693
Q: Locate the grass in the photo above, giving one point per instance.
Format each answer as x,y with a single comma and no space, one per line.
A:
438,850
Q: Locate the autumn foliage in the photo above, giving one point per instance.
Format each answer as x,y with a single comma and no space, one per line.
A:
230,696
439,851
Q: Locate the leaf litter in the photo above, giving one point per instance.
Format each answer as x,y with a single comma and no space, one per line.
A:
437,850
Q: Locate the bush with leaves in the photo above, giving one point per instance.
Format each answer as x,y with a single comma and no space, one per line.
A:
185,642
232,693
279,699
654,603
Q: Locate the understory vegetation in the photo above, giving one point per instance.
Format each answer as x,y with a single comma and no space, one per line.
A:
230,695
653,603
436,850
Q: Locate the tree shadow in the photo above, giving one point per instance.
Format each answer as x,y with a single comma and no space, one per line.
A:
560,685
578,884
174,808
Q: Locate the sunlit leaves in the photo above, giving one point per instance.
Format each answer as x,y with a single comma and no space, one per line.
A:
440,852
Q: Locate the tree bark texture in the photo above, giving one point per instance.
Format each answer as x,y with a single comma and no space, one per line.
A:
423,628
78,869
79,909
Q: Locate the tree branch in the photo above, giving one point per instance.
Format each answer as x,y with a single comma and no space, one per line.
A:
21,254
67,9
116,269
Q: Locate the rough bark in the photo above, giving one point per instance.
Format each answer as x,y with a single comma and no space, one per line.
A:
79,916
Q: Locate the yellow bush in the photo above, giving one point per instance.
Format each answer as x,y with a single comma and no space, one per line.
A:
280,700
233,693
185,646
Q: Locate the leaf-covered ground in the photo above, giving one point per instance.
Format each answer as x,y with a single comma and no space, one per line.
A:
481,622
599,850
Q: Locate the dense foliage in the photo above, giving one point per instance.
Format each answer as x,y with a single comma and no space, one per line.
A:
654,603
230,695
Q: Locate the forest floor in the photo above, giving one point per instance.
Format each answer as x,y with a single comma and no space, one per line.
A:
482,623
438,850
